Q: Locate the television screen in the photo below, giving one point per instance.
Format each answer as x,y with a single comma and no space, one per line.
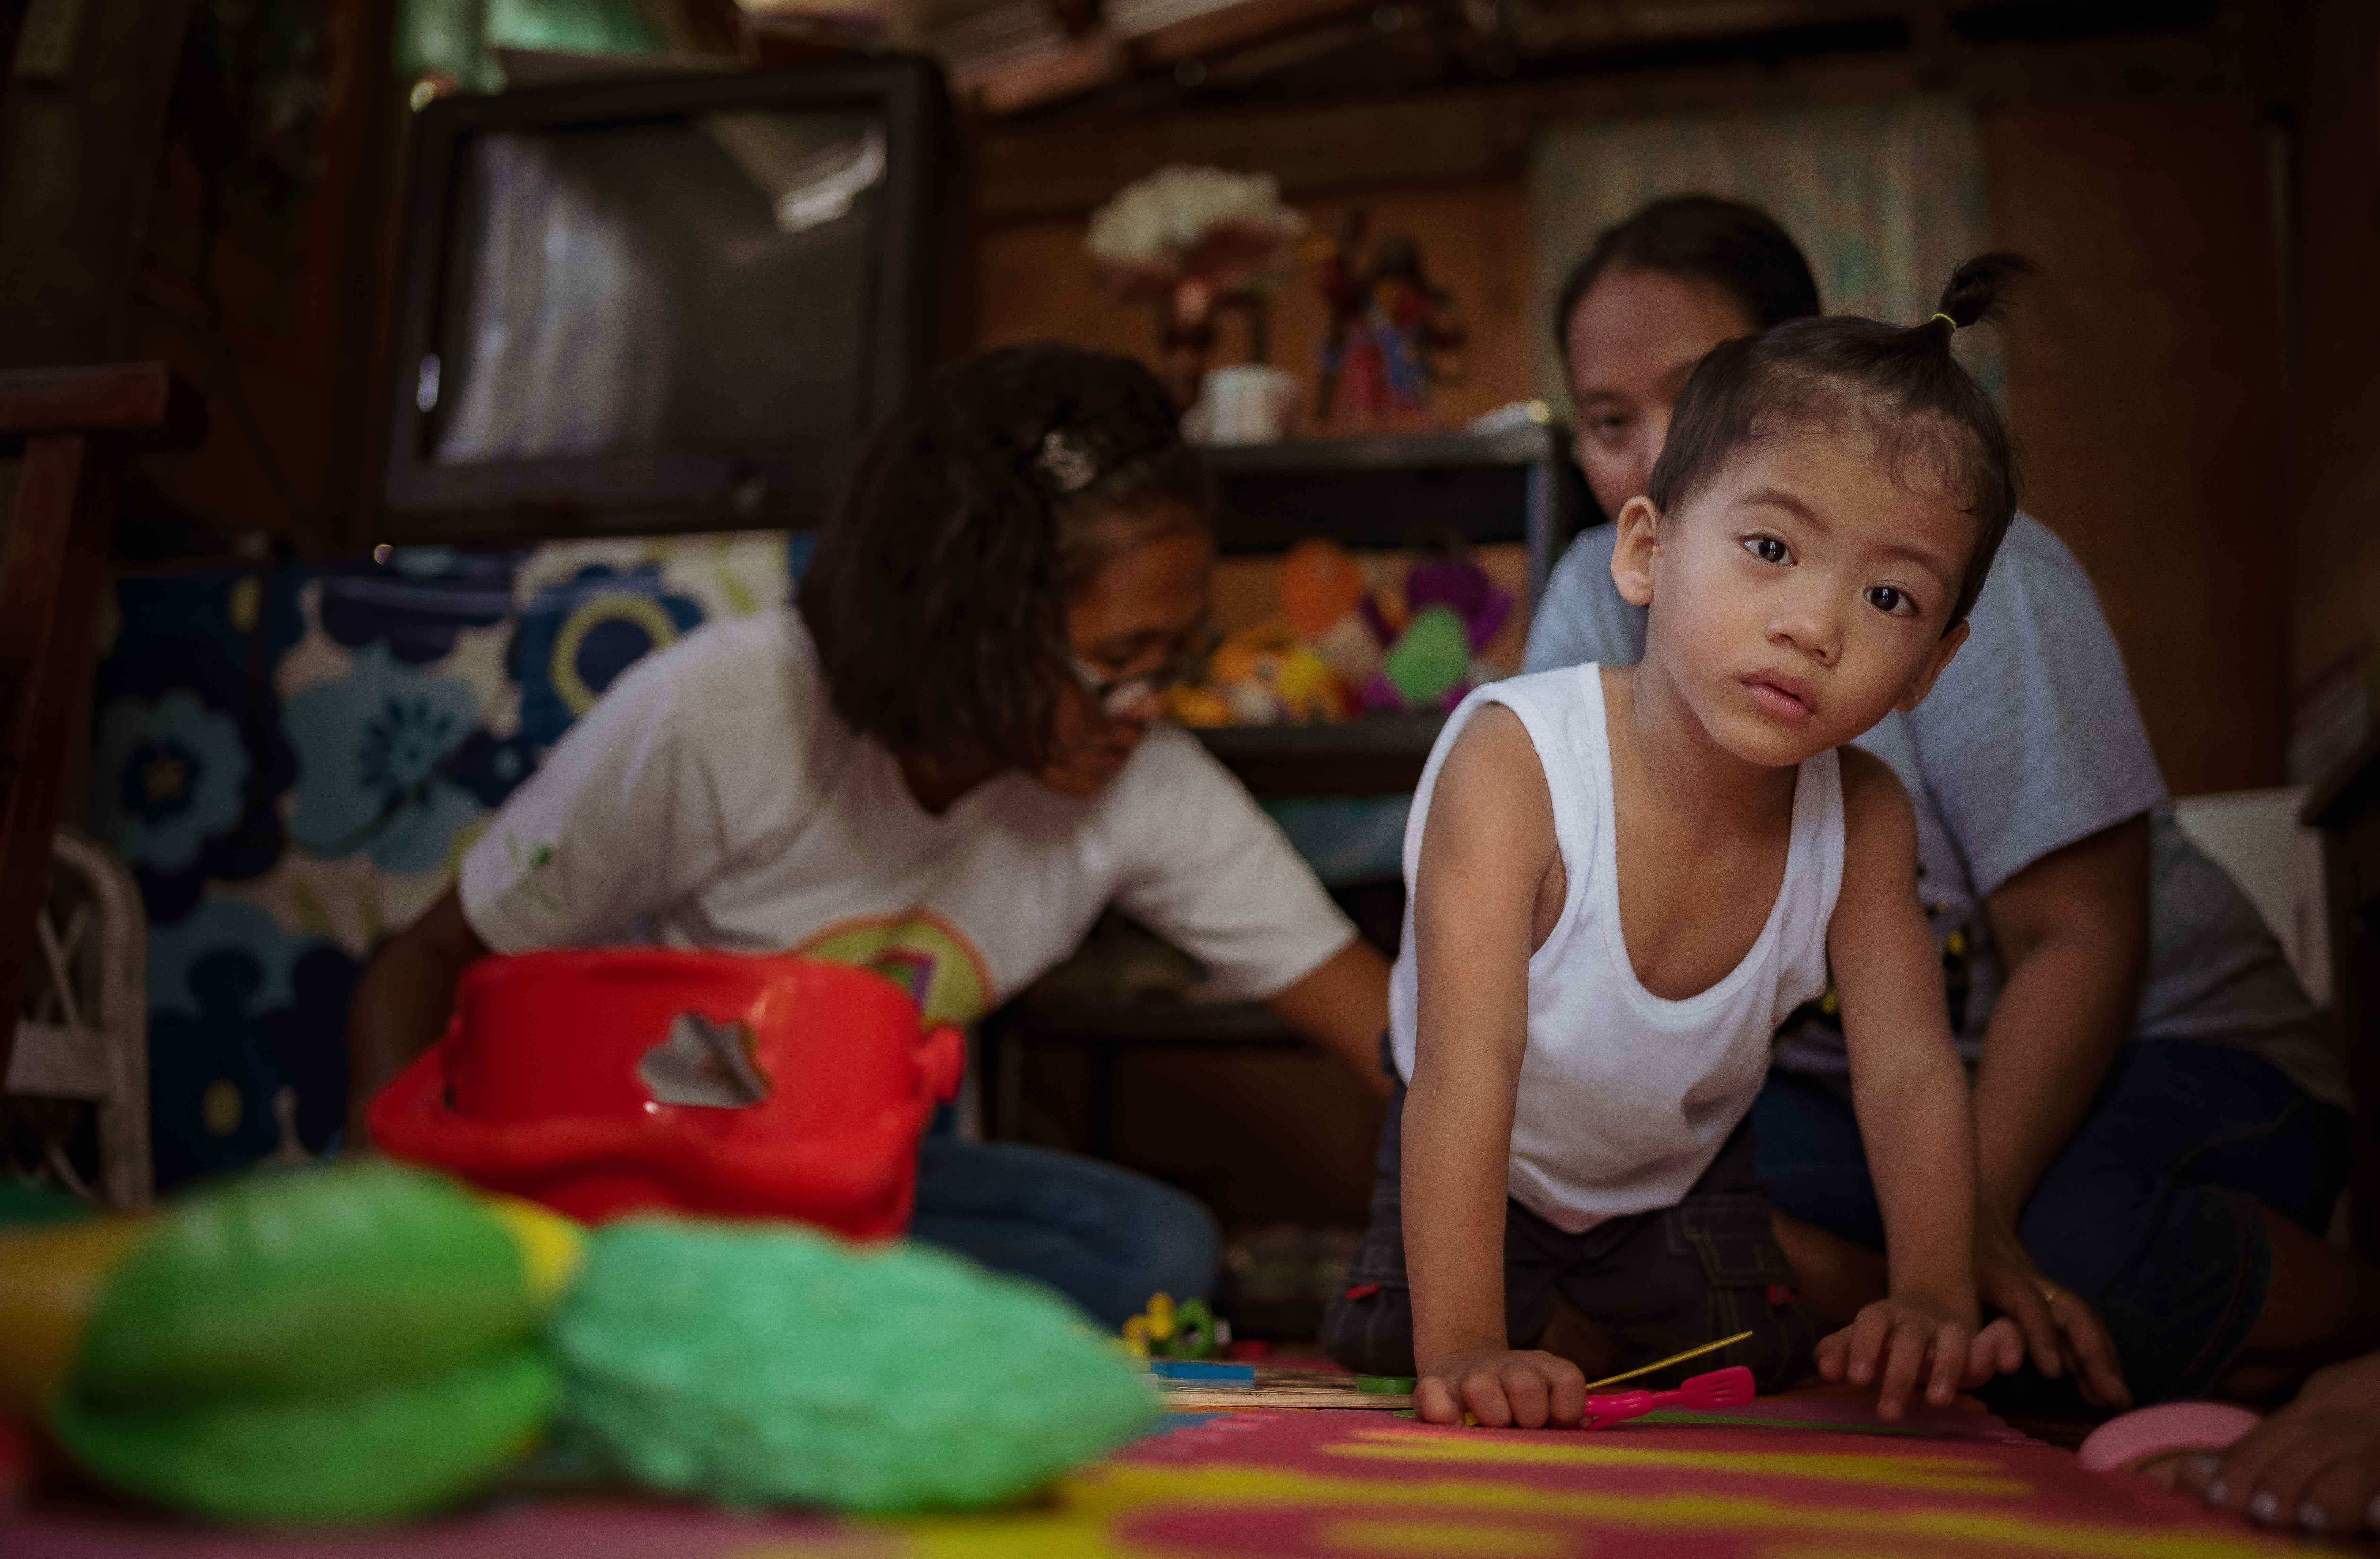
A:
693,313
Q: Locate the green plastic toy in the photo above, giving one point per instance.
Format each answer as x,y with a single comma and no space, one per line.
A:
316,1346
756,1365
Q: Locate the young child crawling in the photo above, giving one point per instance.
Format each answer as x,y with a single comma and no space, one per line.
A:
1623,881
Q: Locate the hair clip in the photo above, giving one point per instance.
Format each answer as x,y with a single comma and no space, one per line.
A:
1066,462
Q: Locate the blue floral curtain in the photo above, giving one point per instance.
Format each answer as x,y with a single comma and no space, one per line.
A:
293,763
1884,200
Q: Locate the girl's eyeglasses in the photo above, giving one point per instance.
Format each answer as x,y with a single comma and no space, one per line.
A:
1120,696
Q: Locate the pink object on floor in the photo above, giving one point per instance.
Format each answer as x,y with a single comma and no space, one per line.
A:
2156,1432
1731,1387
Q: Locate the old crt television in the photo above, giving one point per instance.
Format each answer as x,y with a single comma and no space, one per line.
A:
661,304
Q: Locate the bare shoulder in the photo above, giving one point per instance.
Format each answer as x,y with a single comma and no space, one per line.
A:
1492,754
1491,785
1876,813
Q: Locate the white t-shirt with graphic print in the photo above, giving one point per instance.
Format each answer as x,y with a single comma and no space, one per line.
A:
712,800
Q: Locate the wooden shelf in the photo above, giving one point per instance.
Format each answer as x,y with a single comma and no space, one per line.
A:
1519,446
1388,492
1376,755
1156,1021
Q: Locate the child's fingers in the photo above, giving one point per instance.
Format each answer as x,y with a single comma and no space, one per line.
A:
1526,1393
1482,1396
1568,1391
1950,1346
1901,1365
1434,1402
1834,1354
1997,1349
1871,1333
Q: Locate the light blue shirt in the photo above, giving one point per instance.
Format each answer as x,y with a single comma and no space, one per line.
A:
2029,742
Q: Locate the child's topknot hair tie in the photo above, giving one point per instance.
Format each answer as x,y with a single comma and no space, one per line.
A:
1903,385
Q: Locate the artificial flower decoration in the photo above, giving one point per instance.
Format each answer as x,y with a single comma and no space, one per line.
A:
1192,241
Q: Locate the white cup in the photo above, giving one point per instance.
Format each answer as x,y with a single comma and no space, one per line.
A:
1245,402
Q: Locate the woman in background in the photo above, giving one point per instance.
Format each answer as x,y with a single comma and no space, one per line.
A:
942,765
2159,1114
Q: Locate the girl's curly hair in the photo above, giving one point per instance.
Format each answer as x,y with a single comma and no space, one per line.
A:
938,593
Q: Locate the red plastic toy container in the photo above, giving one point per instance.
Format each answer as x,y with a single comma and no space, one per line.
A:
539,1088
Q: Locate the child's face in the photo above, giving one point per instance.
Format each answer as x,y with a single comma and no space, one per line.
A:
1801,596
1133,620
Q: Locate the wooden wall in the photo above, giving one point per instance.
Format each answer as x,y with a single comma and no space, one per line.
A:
2147,382
2336,409
2147,374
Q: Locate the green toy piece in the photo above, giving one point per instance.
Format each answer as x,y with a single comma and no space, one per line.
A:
1193,1331
305,1285
1430,659
754,1365
312,1346
360,1455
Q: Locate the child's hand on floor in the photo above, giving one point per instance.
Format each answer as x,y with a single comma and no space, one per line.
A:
1503,1388
1903,1344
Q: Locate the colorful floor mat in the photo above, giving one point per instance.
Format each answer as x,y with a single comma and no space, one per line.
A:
1804,1476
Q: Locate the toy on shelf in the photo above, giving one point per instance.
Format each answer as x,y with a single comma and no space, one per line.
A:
1344,645
613,1080
1262,675
1391,330
1192,243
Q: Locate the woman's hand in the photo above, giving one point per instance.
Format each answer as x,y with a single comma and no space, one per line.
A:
2063,1334
1503,1388
1901,1341
2315,1463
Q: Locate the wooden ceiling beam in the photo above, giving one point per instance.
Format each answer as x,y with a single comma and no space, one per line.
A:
1068,163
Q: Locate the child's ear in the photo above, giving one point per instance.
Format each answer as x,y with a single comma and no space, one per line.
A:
1923,683
1636,555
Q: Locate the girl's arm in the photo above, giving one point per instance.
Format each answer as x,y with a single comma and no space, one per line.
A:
1911,1096
1342,1007
402,1001
1487,858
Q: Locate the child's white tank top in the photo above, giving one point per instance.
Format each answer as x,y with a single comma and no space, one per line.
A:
1625,1097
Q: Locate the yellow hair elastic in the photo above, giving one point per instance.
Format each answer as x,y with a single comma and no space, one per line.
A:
1945,319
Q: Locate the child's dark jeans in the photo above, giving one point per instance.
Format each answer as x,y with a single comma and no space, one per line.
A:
1655,1283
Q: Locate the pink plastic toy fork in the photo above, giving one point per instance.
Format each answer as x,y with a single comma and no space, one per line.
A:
1731,1387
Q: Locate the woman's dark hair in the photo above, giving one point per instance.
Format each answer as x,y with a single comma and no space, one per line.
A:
938,594
1901,386
1740,249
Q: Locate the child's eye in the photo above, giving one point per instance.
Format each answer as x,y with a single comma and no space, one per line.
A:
1769,549
1891,600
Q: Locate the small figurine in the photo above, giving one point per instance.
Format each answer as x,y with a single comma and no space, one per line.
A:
1390,329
